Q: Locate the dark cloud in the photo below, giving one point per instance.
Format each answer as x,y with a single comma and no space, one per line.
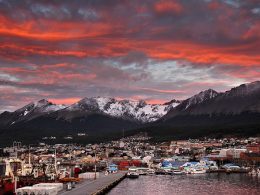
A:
150,49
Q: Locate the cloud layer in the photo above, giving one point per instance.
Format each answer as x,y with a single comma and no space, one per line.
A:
152,50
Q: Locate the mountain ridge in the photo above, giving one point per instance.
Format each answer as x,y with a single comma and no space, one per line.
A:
244,98
139,111
102,115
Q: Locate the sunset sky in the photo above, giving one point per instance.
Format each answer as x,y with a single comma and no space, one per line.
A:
128,49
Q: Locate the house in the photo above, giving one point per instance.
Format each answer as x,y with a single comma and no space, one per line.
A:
254,148
235,153
253,158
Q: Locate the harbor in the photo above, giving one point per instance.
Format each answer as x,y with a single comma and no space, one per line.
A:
63,169
130,97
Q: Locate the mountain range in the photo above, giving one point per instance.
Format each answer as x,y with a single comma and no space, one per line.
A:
101,116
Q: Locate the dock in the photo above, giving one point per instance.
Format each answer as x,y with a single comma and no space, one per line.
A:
98,186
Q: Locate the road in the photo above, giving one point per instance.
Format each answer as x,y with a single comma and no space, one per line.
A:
94,186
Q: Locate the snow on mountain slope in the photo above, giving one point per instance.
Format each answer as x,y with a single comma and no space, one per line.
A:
42,106
128,109
34,110
200,97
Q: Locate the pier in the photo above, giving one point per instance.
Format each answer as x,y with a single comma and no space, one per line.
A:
96,187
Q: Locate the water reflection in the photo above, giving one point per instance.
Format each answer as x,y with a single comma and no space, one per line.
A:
217,183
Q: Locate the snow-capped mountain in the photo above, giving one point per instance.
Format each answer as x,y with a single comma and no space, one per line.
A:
30,111
42,106
138,111
205,112
126,109
239,99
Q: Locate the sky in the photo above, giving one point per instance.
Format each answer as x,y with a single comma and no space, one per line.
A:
150,50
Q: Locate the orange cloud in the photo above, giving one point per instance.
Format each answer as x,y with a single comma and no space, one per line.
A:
67,101
155,101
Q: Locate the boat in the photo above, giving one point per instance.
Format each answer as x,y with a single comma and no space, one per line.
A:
178,172
237,170
150,172
216,171
198,171
132,173
142,170
160,172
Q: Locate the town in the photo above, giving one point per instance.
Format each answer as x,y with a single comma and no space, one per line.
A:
59,168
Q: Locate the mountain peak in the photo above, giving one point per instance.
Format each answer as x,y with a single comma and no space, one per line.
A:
209,91
207,94
41,106
141,103
199,98
244,89
126,109
173,101
42,102
253,85
203,95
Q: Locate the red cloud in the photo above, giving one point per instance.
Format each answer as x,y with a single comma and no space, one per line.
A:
214,5
51,30
165,6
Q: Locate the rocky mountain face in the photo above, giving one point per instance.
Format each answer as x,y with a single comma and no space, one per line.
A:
101,116
244,98
138,111
29,112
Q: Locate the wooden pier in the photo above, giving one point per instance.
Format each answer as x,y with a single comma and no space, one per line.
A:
98,186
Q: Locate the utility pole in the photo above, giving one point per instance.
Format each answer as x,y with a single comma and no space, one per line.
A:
15,183
55,160
70,151
29,155
95,164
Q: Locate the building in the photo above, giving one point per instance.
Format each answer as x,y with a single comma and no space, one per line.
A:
255,148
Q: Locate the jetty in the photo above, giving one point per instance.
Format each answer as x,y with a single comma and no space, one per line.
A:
98,186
